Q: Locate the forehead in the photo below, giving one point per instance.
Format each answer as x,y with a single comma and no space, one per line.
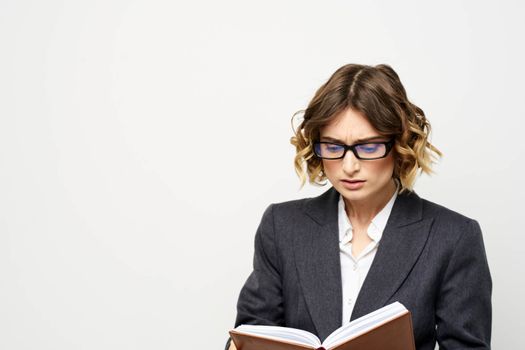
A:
348,126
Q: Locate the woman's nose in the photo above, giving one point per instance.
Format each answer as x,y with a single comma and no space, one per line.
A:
350,163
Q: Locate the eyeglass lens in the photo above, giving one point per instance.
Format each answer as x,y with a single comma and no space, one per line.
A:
364,151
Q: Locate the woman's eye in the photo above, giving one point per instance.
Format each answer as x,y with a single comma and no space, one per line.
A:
334,148
369,148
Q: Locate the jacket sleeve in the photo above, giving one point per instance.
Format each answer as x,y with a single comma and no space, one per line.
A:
260,300
463,308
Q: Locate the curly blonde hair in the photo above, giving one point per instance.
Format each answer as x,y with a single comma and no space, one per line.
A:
377,92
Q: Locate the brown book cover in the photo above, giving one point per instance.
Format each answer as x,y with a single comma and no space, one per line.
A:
392,334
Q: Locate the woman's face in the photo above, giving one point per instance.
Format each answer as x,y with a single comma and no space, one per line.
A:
357,180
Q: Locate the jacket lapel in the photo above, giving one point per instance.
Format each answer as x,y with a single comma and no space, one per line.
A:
318,264
403,240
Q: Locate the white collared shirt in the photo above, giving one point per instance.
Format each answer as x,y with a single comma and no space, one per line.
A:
355,269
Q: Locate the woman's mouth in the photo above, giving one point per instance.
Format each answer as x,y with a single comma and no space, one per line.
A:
353,184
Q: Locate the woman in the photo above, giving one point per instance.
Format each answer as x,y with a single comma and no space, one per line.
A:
369,240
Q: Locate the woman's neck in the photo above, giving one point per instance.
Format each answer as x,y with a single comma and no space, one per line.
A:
361,213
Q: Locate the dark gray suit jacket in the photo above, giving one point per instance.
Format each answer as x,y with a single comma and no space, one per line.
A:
430,259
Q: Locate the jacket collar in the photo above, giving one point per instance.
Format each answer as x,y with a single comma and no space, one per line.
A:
407,208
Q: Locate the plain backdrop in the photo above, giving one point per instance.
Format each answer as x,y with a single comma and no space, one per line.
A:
141,141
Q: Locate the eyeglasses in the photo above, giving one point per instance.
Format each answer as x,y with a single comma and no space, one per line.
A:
364,151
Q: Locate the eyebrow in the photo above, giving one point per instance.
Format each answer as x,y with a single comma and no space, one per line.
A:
365,139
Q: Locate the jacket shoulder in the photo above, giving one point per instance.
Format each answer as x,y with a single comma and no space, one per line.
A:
305,203
290,205
450,226
288,209
440,212
319,209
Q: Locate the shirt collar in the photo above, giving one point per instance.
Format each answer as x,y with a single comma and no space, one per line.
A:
376,227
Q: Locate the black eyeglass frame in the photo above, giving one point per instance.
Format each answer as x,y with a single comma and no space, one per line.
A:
388,147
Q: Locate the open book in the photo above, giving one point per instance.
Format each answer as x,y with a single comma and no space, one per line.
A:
389,327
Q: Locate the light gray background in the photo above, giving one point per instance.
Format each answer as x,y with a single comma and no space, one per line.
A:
141,141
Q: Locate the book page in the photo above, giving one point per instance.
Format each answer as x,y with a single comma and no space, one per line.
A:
294,335
363,324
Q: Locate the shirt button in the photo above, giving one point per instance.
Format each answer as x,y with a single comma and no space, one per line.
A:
355,267
350,301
